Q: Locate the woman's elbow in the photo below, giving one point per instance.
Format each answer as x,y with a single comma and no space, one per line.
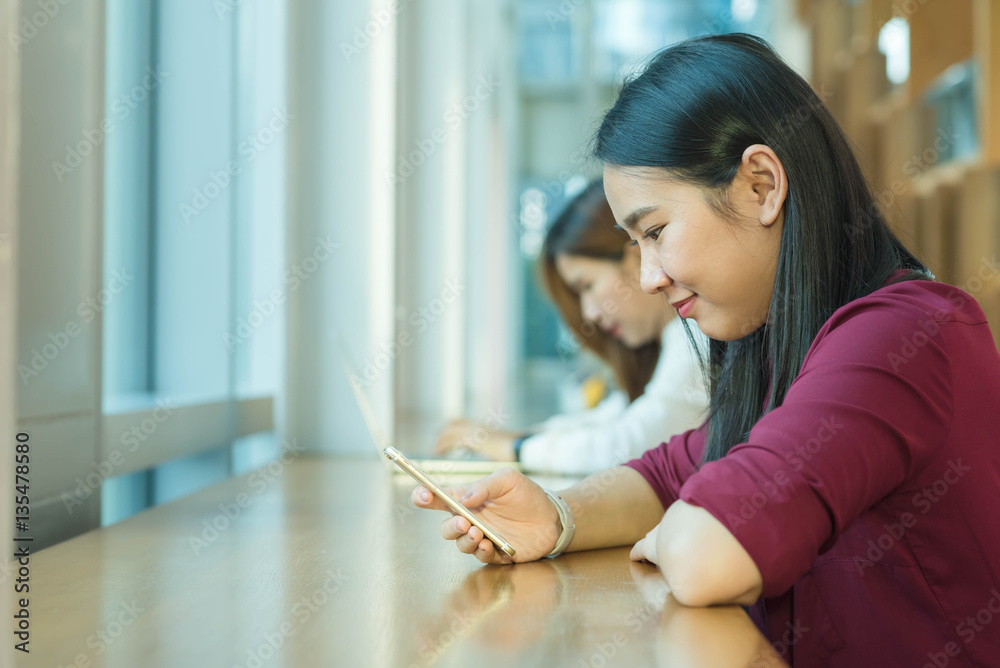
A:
702,562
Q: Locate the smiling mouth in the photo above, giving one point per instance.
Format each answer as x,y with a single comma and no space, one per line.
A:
678,305
684,306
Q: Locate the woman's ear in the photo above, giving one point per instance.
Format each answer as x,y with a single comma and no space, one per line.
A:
762,183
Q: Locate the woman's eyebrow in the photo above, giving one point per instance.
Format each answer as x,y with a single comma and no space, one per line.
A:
633,218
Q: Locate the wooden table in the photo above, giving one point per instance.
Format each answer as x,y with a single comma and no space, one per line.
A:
323,562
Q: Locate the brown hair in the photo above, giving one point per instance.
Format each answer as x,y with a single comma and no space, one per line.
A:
587,228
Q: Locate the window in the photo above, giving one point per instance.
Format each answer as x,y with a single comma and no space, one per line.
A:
194,213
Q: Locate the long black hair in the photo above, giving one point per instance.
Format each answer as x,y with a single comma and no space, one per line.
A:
692,112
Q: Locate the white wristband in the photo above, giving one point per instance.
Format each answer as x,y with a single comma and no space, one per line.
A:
565,520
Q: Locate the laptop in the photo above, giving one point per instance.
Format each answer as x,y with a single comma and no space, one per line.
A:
460,461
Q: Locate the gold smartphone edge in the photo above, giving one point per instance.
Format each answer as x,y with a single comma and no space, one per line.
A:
395,456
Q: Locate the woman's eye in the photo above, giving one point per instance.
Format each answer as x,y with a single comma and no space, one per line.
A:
653,234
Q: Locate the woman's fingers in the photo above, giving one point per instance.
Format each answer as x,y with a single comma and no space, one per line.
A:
470,540
467,538
474,495
489,554
485,552
645,549
638,552
491,487
458,529
453,527
421,497
467,544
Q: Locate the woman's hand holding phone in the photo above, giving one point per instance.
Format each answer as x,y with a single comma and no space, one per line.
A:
511,504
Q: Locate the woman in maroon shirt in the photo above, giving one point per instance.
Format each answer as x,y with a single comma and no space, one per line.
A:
846,481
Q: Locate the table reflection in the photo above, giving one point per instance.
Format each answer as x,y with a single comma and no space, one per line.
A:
518,609
714,637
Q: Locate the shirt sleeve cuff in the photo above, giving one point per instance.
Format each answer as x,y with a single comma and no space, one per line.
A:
647,468
758,510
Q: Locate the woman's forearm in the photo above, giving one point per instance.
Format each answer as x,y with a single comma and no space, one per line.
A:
611,508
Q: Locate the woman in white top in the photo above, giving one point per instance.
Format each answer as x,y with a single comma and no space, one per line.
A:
591,271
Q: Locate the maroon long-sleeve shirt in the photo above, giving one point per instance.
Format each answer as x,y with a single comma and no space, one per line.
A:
870,500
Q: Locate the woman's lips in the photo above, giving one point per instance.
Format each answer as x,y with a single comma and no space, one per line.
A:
616,331
684,307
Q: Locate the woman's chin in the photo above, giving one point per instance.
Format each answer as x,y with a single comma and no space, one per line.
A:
631,341
725,331
636,342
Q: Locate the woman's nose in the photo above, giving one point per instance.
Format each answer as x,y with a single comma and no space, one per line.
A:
590,310
653,279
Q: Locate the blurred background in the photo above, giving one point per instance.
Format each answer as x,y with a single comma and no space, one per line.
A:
205,201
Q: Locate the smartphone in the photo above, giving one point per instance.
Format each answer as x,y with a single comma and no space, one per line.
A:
402,462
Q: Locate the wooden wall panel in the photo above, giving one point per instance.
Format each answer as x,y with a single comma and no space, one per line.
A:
987,50
940,36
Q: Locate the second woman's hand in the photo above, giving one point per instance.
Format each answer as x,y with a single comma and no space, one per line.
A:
492,444
511,504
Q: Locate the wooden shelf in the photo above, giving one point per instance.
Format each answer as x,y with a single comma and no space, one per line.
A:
940,36
947,213
986,42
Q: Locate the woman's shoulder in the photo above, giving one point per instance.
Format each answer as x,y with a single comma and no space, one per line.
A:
911,301
899,317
